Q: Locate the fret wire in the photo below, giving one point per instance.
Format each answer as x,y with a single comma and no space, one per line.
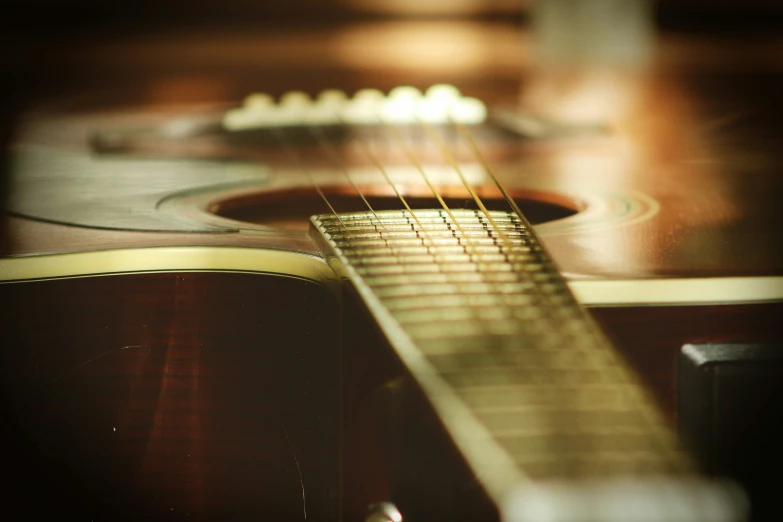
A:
338,160
444,149
382,169
412,157
372,155
455,165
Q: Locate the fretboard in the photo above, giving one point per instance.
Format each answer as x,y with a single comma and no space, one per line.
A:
521,377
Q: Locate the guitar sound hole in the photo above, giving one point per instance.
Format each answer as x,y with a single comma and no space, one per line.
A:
290,209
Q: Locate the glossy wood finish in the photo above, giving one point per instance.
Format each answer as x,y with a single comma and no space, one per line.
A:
214,366
176,396
684,185
698,133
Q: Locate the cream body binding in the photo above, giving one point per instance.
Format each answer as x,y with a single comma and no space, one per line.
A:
589,292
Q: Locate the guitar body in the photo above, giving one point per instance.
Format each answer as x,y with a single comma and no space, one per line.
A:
176,345
192,393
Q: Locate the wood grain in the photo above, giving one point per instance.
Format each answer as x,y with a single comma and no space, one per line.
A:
699,134
189,396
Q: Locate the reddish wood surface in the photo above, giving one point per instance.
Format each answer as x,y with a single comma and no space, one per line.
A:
699,134
177,396
701,149
651,337
170,391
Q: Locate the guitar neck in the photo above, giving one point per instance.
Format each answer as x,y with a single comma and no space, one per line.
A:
517,372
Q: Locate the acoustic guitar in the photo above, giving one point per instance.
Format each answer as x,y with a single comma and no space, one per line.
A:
407,303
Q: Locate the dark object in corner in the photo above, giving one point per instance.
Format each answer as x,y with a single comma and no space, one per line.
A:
730,410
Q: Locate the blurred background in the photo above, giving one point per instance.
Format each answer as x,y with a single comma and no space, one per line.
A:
183,51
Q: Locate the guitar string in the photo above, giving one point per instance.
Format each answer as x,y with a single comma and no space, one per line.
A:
290,149
662,437
279,135
379,165
323,141
432,248
481,267
543,419
645,413
412,157
375,160
467,136
338,160
509,253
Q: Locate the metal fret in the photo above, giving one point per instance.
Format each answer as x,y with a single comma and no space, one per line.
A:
517,372
486,331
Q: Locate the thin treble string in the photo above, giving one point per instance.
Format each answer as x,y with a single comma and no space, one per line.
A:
291,151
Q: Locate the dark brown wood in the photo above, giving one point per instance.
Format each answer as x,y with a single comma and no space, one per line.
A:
189,396
699,134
